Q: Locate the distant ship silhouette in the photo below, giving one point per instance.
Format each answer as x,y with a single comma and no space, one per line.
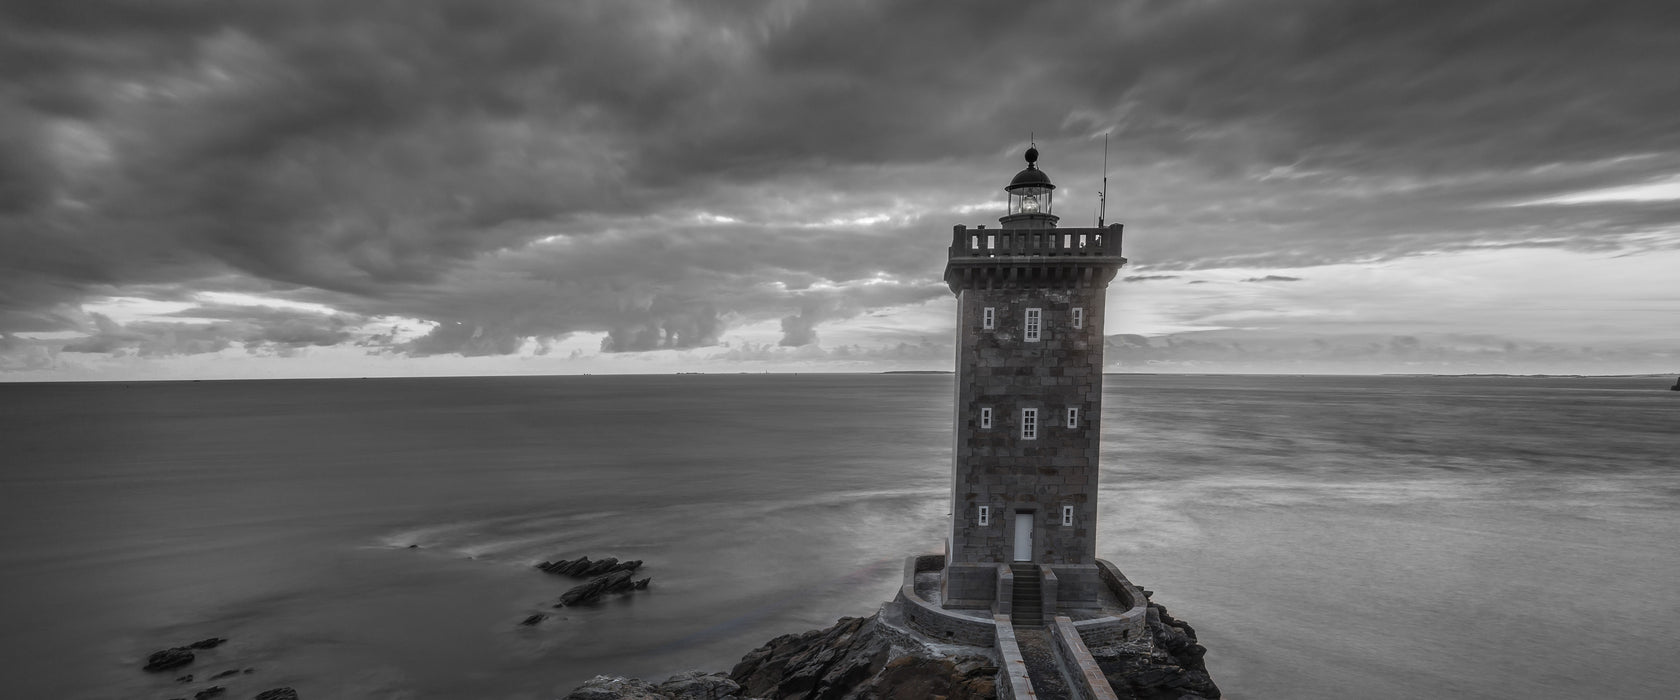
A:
1676,386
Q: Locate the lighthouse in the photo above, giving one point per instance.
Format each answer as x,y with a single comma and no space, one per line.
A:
1028,423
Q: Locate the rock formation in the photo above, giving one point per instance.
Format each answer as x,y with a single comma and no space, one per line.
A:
862,658
582,567
616,582
1169,669
173,657
855,658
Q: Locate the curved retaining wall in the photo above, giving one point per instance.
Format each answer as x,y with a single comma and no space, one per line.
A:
936,622
1130,625
930,619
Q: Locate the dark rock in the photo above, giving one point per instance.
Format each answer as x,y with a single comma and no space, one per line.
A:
210,692
184,679
582,567
698,685
1173,671
173,657
413,546
277,694
854,659
532,620
601,567
225,674
616,582
210,643
614,688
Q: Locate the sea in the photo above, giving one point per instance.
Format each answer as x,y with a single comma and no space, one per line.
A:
1327,537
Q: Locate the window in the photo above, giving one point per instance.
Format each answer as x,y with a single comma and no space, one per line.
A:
1073,418
1067,516
985,516
985,417
1078,317
1034,317
988,318
1029,424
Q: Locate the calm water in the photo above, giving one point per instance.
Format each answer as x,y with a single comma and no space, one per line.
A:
1377,537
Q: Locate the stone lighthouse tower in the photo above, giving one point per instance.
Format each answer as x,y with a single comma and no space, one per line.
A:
1030,300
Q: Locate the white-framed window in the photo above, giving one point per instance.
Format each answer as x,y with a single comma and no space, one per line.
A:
1073,418
1078,317
1067,516
1029,424
985,417
985,516
1035,321
988,318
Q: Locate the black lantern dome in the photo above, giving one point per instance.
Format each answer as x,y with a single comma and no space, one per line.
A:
1030,195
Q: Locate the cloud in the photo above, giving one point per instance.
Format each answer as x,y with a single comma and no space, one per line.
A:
1273,278
478,167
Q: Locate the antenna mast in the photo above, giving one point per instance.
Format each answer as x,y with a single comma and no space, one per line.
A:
1102,196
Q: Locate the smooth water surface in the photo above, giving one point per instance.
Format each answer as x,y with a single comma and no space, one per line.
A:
1380,537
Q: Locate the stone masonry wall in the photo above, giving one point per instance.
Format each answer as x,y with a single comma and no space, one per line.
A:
995,467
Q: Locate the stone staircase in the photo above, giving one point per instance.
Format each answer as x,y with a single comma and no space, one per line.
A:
1027,605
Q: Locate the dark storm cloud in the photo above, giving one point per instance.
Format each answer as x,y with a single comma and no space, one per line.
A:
401,158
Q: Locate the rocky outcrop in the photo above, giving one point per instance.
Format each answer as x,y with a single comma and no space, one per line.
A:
1169,668
277,694
864,658
854,659
693,685
176,657
582,567
173,657
617,582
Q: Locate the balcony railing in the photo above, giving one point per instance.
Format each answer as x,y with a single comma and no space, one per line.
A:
984,243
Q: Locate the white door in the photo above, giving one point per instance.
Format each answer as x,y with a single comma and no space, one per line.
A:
1023,536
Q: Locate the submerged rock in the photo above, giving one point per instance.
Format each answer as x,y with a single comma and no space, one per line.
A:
210,643
582,567
277,694
210,692
173,657
532,620
616,582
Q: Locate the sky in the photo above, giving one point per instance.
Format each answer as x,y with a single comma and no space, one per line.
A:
321,188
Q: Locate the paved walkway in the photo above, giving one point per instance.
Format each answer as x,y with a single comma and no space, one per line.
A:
1046,678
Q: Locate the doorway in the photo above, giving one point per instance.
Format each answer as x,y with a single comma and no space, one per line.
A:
1023,535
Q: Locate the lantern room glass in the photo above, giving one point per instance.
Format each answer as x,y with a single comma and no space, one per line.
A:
1029,200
